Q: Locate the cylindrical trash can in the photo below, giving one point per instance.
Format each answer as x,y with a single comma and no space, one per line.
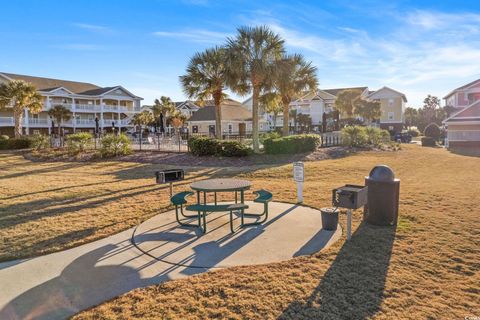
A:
383,196
329,218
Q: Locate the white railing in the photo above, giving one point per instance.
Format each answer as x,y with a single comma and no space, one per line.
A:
108,123
86,107
53,104
467,135
107,107
85,122
7,120
37,121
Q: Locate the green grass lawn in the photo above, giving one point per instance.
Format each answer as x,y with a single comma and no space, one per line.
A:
427,268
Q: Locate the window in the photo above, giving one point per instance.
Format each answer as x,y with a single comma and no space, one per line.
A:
230,128
390,102
391,115
195,129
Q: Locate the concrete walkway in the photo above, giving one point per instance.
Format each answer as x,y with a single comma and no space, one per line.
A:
58,285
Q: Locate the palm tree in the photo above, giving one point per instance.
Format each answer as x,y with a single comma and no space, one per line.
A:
163,106
206,79
143,118
345,102
294,76
19,95
59,113
292,114
271,103
252,56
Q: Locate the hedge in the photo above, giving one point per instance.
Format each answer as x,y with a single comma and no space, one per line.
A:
428,142
203,146
115,145
292,144
15,143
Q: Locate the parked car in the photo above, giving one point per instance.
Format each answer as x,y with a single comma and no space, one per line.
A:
403,137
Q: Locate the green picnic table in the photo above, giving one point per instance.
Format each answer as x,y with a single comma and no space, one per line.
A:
216,186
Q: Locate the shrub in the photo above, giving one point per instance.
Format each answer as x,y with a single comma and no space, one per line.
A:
413,132
354,136
15,143
376,136
113,145
78,142
269,135
233,149
428,142
292,144
433,131
203,146
40,141
4,137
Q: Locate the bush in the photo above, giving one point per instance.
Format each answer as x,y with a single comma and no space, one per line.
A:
413,132
15,143
433,131
113,145
354,136
376,136
233,149
78,142
40,141
269,135
204,146
292,144
4,137
428,142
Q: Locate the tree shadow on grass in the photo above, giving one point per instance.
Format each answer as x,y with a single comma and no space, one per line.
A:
353,286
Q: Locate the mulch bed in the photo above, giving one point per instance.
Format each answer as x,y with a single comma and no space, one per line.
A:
187,159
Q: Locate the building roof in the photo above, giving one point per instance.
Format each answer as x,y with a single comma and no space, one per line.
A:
404,97
231,111
461,88
335,92
470,112
48,85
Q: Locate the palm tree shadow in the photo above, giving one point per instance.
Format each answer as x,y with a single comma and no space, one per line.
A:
353,286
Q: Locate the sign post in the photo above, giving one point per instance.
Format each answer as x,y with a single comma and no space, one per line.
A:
298,177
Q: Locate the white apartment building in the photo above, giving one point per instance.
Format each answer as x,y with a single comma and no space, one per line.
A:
112,106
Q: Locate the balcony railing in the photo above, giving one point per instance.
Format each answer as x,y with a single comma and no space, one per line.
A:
108,123
85,122
87,107
38,121
7,120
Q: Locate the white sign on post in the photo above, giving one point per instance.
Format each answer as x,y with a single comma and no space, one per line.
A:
298,177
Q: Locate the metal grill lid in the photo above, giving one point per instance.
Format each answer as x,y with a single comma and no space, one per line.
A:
382,173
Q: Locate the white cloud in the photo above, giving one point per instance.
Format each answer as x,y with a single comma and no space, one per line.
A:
93,27
195,35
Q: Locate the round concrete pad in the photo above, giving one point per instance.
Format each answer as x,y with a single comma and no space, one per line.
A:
290,231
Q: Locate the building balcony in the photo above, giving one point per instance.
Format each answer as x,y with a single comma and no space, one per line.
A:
7,121
108,123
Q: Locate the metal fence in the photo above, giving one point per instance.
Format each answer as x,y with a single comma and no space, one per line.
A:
331,139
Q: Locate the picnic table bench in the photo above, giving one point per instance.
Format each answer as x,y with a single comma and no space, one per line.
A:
219,185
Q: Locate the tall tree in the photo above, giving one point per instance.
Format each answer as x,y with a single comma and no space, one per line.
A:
430,106
19,95
206,79
142,119
163,106
367,109
411,117
293,77
59,114
345,102
271,103
252,57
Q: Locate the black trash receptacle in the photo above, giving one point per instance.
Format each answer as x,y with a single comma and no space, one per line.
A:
383,196
329,218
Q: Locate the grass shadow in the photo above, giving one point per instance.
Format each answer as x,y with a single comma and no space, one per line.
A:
353,286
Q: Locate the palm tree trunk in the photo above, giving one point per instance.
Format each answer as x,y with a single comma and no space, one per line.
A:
18,115
256,142
286,117
218,114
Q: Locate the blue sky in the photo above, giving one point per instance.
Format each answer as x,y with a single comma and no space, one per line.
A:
417,47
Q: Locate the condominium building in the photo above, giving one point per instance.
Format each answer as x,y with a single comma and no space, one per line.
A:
111,106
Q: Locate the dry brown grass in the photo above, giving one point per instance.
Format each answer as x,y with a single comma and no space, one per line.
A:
427,268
